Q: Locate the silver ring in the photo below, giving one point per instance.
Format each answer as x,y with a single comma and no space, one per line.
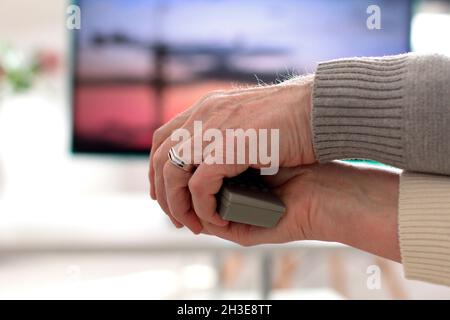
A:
176,160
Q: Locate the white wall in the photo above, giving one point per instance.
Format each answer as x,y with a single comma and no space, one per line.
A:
45,191
35,129
32,23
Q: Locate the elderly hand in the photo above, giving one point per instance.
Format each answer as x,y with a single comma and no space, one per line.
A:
329,202
188,197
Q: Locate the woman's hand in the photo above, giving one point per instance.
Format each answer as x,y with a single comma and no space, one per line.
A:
186,197
330,202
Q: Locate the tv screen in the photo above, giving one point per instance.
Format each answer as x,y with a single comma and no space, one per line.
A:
138,63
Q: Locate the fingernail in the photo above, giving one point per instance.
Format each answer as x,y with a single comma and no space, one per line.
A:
197,231
224,223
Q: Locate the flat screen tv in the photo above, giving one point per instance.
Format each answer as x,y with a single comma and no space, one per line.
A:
138,63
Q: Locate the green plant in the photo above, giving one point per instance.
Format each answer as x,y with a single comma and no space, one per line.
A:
17,72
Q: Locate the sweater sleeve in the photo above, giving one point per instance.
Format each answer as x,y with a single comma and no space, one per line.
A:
424,227
394,110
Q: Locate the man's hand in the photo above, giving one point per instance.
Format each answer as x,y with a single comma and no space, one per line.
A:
188,198
330,202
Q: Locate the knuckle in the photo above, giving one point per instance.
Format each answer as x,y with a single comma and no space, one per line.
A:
157,137
211,96
195,185
211,99
210,105
176,215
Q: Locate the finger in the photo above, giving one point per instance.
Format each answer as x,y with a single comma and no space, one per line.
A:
205,184
159,162
207,180
204,231
162,200
183,120
249,235
175,222
159,182
234,232
163,133
159,137
178,197
242,234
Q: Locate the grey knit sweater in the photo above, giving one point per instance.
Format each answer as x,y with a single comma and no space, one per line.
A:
395,110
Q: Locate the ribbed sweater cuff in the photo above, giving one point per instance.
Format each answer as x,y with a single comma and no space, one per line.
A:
424,227
357,109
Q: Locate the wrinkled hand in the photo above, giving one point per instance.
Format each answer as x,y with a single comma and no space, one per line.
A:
188,198
329,202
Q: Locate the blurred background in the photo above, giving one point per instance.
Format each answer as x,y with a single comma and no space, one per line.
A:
77,112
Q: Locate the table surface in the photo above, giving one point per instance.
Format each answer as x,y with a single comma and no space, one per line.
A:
110,222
